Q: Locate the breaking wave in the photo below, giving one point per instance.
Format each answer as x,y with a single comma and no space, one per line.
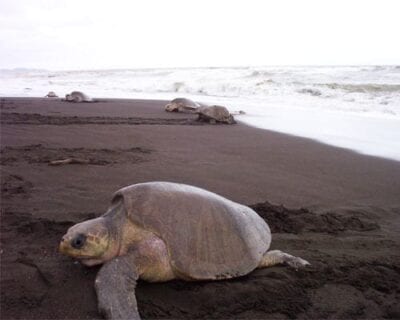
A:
365,88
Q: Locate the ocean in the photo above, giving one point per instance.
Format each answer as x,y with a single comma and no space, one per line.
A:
353,107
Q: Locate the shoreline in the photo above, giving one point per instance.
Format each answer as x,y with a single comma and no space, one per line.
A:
349,132
348,229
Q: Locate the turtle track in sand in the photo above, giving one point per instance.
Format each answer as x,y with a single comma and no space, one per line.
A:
14,185
284,220
44,284
7,105
39,119
39,154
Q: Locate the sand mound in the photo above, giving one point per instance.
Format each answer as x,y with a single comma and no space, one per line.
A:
281,219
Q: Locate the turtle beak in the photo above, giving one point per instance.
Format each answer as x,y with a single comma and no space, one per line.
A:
63,246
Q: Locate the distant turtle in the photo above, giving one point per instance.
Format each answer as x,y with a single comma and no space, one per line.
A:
182,105
51,94
214,114
77,96
159,231
238,113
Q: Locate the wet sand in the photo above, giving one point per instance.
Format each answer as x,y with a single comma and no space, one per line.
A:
336,208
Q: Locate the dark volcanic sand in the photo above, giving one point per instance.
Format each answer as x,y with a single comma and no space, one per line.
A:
343,216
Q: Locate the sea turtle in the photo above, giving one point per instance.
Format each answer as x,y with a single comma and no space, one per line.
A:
78,96
51,94
182,105
214,114
159,231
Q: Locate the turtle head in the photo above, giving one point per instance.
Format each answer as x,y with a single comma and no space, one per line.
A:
90,242
171,107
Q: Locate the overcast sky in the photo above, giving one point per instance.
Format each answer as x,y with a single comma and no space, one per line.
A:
86,34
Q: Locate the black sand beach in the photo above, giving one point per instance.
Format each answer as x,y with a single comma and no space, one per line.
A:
335,208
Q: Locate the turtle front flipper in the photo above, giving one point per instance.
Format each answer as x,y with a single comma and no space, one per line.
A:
115,287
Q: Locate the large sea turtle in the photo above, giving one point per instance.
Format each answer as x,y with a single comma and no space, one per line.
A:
51,94
159,231
214,114
182,105
77,96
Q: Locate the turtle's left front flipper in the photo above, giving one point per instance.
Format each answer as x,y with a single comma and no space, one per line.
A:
115,286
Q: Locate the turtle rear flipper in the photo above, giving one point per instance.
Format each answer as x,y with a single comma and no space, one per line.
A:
115,287
274,257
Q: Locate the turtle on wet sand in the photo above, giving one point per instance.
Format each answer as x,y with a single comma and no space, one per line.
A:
77,96
51,94
182,105
215,114
159,231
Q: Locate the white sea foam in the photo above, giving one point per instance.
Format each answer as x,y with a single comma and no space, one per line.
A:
355,107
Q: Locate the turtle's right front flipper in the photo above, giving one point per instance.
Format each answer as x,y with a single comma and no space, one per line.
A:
115,286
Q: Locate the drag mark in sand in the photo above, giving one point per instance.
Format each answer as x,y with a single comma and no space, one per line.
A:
6,104
40,154
283,220
38,119
13,184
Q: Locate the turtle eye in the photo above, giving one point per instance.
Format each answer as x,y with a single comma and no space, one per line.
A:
79,241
